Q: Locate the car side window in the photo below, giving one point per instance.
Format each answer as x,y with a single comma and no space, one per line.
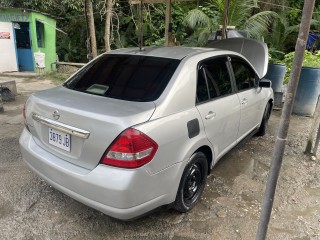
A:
244,75
202,87
218,77
213,80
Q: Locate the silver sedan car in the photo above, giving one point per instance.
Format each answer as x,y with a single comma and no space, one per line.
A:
137,129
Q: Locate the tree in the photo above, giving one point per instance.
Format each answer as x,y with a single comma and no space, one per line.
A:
107,33
203,21
281,34
244,15
90,19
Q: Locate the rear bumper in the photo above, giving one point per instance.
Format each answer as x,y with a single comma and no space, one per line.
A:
119,193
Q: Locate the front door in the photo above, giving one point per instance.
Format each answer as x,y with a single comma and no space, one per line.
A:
24,47
250,97
8,59
218,104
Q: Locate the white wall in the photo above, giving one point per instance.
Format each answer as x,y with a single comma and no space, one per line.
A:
8,60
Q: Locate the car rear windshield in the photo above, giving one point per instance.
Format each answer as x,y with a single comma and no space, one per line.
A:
125,77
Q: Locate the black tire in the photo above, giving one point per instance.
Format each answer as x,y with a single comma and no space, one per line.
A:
192,183
264,123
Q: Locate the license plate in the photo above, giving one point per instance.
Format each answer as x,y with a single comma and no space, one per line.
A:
59,139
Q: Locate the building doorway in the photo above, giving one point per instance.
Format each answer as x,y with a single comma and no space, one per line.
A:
24,46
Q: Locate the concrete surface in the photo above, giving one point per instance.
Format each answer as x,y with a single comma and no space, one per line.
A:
11,84
229,208
19,74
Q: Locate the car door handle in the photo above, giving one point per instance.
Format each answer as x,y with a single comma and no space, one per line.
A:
210,115
244,101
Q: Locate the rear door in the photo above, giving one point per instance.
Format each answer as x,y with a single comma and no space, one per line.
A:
250,97
217,104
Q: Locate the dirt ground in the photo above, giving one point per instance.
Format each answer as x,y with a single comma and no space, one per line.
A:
229,208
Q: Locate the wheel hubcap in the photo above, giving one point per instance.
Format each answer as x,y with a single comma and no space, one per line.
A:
192,183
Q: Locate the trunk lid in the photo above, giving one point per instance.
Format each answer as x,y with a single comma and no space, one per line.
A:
101,119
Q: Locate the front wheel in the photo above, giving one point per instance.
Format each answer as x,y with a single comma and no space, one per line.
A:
264,123
192,183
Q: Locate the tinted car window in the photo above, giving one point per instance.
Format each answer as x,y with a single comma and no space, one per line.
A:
218,77
126,77
244,75
202,87
213,80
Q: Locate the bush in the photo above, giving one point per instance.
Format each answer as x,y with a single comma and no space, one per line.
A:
310,60
275,56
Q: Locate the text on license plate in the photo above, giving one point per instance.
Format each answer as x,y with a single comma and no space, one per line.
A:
59,139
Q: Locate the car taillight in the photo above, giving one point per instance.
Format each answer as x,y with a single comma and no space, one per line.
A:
131,149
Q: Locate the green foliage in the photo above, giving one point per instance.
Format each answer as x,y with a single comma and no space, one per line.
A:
191,25
310,60
156,21
316,19
283,33
6,3
51,6
57,77
245,15
276,56
127,17
294,13
280,37
259,23
205,19
203,22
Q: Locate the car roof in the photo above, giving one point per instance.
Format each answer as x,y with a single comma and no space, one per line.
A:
176,52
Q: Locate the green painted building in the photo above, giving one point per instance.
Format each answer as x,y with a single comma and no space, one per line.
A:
27,40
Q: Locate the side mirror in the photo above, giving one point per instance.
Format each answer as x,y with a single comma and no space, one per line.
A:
265,83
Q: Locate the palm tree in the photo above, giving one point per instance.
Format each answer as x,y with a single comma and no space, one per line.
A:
241,14
281,35
203,25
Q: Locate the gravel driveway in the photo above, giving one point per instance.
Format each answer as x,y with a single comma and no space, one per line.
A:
229,208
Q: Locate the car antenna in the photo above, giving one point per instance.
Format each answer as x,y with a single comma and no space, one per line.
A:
135,43
140,28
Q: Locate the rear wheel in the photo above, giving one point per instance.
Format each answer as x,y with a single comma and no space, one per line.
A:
192,183
264,123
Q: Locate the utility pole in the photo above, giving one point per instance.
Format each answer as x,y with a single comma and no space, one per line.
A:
89,13
281,140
